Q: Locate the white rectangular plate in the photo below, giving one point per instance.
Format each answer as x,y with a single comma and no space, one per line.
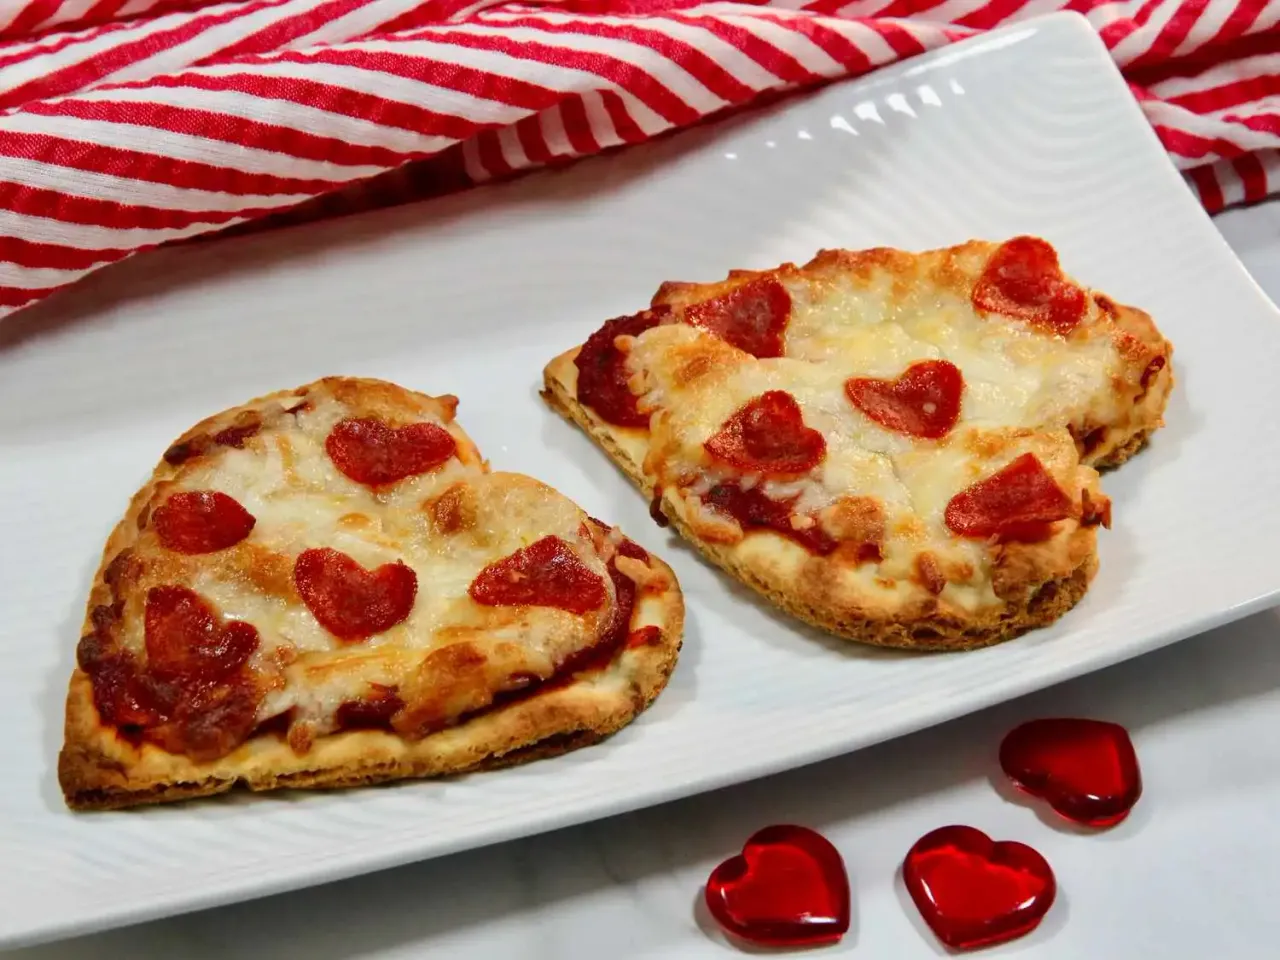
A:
1026,130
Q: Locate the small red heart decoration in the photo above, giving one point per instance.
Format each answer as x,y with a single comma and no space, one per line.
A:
973,891
351,602
788,888
1087,770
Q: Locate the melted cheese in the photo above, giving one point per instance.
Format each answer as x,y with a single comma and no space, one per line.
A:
1022,391
284,477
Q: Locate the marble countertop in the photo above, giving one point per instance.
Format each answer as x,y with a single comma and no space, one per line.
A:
1191,873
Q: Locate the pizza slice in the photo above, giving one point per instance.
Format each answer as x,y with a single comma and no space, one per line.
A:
327,587
899,448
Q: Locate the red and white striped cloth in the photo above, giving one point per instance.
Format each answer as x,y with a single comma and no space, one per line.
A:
129,123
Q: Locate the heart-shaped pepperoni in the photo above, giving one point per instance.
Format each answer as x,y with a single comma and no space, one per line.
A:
351,602
751,317
547,573
602,369
787,888
768,435
974,892
1024,280
924,401
1018,502
185,639
370,451
201,521
1087,770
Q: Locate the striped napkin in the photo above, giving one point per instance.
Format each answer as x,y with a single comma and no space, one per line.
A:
125,124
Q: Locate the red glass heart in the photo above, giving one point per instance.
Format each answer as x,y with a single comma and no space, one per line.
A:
788,888
1086,770
973,891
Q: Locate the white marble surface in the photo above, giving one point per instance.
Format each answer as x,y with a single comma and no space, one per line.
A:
1191,874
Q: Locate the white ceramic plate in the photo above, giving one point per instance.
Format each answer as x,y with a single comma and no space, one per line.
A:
1026,130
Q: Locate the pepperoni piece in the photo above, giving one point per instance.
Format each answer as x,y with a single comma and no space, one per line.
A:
602,369
373,712
924,401
649,636
1018,502
754,510
201,521
351,602
186,640
370,451
1023,280
752,317
547,573
768,435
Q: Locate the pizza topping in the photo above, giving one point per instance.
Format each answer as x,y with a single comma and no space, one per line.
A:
353,603
208,721
1023,279
186,640
547,573
924,401
752,317
768,435
602,369
644,637
201,521
372,452
1094,512
1018,502
754,510
372,712
236,434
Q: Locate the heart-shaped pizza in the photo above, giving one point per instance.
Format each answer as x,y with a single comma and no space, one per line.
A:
327,587
900,448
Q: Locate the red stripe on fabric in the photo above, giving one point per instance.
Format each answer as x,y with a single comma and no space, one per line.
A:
835,45
705,70
631,78
437,73
623,124
32,16
1173,32
54,205
902,42
20,297
366,106
577,126
1239,21
778,62
29,53
422,16
1261,122
1116,31
1253,175
1206,58
1228,95
225,127
1206,184
152,168
276,35
1193,146
529,132
79,75
55,256
991,15
490,153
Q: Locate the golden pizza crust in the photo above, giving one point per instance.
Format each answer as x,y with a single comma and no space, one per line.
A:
98,769
809,595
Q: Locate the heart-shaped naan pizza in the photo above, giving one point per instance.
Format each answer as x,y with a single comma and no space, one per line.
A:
900,448
327,587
